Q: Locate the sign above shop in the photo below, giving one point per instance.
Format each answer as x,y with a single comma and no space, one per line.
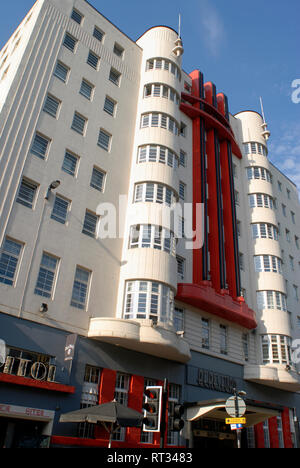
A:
210,380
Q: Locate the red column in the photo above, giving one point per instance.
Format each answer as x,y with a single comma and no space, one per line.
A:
228,217
198,147
107,386
213,239
106,394
273,430
135,401
287,436
259,436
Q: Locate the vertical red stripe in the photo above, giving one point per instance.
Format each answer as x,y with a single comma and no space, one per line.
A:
209,92
197,180
287,436
135,401
273,430
213,239
259,436
106,394
228,221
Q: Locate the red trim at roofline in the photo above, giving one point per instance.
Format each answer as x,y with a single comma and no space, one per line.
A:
44,385
204,297
209,108
212,122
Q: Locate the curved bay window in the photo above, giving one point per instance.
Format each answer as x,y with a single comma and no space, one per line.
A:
276,349
150,236
150,192
261,200
163,64
264,231
255,148
271,300
259,173
267,264
157,153
162,91
148,300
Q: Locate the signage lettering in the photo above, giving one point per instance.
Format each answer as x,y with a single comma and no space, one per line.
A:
214,381
27,368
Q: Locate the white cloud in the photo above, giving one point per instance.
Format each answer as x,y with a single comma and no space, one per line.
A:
284,151
213,27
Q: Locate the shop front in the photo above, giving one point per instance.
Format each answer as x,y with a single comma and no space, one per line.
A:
23,427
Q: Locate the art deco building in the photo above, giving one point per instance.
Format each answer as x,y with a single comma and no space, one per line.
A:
110,156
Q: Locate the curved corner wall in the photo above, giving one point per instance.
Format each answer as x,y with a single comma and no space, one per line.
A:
148,279
273,331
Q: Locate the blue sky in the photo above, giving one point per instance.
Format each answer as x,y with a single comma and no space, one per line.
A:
248,49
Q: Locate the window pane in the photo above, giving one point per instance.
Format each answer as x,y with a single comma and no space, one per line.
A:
69,163
98,34
86,89
51,106
80,287
90,224
61,71
69,42
97,180
76,16
114,76
46,276
109,106
26,193
93,60
9,257
79,123
60,210
104,140
40,146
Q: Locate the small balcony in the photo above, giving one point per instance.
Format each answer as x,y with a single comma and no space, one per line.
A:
280,376
143,336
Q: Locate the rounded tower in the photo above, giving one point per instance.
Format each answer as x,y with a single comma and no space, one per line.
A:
148,275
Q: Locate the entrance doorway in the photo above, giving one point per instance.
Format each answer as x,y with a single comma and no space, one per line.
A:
22,433
212,433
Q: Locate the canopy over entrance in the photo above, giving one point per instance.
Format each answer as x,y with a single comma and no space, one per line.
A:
215,409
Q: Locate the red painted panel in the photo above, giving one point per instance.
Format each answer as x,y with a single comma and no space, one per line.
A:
107,386
106,394
212,122
259,436
135,401
221,103
50,386
209,92
273,430
209,108
213,238
228,222
204,297
197,182
287,436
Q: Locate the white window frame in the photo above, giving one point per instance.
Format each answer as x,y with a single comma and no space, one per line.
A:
83,286
10,259
50,275
148,300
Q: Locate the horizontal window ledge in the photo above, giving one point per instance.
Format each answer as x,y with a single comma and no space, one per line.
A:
143,336
279,376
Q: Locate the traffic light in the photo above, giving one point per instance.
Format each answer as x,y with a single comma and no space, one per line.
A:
178,422
152,409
